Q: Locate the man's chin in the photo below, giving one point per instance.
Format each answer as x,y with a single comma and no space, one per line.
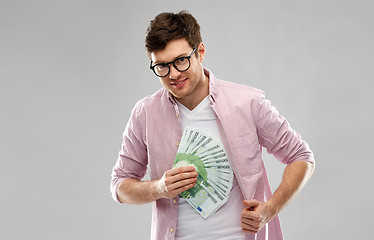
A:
177,95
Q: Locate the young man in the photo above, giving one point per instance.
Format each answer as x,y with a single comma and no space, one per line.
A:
239,116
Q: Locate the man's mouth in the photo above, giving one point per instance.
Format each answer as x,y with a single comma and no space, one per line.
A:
179,83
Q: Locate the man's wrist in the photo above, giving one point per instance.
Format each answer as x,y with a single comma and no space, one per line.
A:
157,189
272,207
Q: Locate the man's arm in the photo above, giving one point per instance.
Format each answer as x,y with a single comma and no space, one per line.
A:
172,183
257,214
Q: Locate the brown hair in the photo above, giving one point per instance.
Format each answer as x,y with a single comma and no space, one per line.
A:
169,26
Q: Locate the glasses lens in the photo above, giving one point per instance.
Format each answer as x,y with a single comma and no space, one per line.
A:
182,64
161,69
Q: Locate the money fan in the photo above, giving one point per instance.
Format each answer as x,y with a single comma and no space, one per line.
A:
214,182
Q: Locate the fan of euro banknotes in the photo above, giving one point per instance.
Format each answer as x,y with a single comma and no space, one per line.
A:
215,177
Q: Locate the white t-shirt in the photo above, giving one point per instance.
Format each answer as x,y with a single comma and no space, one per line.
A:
225,223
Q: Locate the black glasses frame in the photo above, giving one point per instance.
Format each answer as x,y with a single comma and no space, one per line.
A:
173,62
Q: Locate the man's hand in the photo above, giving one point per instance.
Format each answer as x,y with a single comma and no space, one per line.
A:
172,183
176,181
255,216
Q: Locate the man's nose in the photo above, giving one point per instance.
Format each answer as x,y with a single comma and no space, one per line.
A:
174,73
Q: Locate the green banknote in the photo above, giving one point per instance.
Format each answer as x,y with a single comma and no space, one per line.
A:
206,153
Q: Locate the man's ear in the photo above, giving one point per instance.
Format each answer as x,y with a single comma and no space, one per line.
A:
201,52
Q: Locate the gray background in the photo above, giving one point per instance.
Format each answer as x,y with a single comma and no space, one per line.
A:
71,72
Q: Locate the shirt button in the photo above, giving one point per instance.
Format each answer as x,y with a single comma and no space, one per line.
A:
174,201
171,229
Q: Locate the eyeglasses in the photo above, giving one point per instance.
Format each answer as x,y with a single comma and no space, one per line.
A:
182,64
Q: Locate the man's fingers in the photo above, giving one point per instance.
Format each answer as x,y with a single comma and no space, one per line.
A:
248,228
181,184
250,221
180,177
249,212
176,171
182,189
251,203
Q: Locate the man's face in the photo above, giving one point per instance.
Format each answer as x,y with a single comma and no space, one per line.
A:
185,86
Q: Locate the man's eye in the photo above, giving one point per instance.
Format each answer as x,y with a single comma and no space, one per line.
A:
161,65
181,60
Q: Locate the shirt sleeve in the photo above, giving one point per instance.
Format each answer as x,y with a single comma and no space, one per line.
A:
277,136
132,158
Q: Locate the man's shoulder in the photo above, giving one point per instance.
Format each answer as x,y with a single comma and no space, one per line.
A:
237,89
152,101
157,96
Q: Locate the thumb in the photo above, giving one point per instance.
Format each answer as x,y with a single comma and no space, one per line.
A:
251,203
